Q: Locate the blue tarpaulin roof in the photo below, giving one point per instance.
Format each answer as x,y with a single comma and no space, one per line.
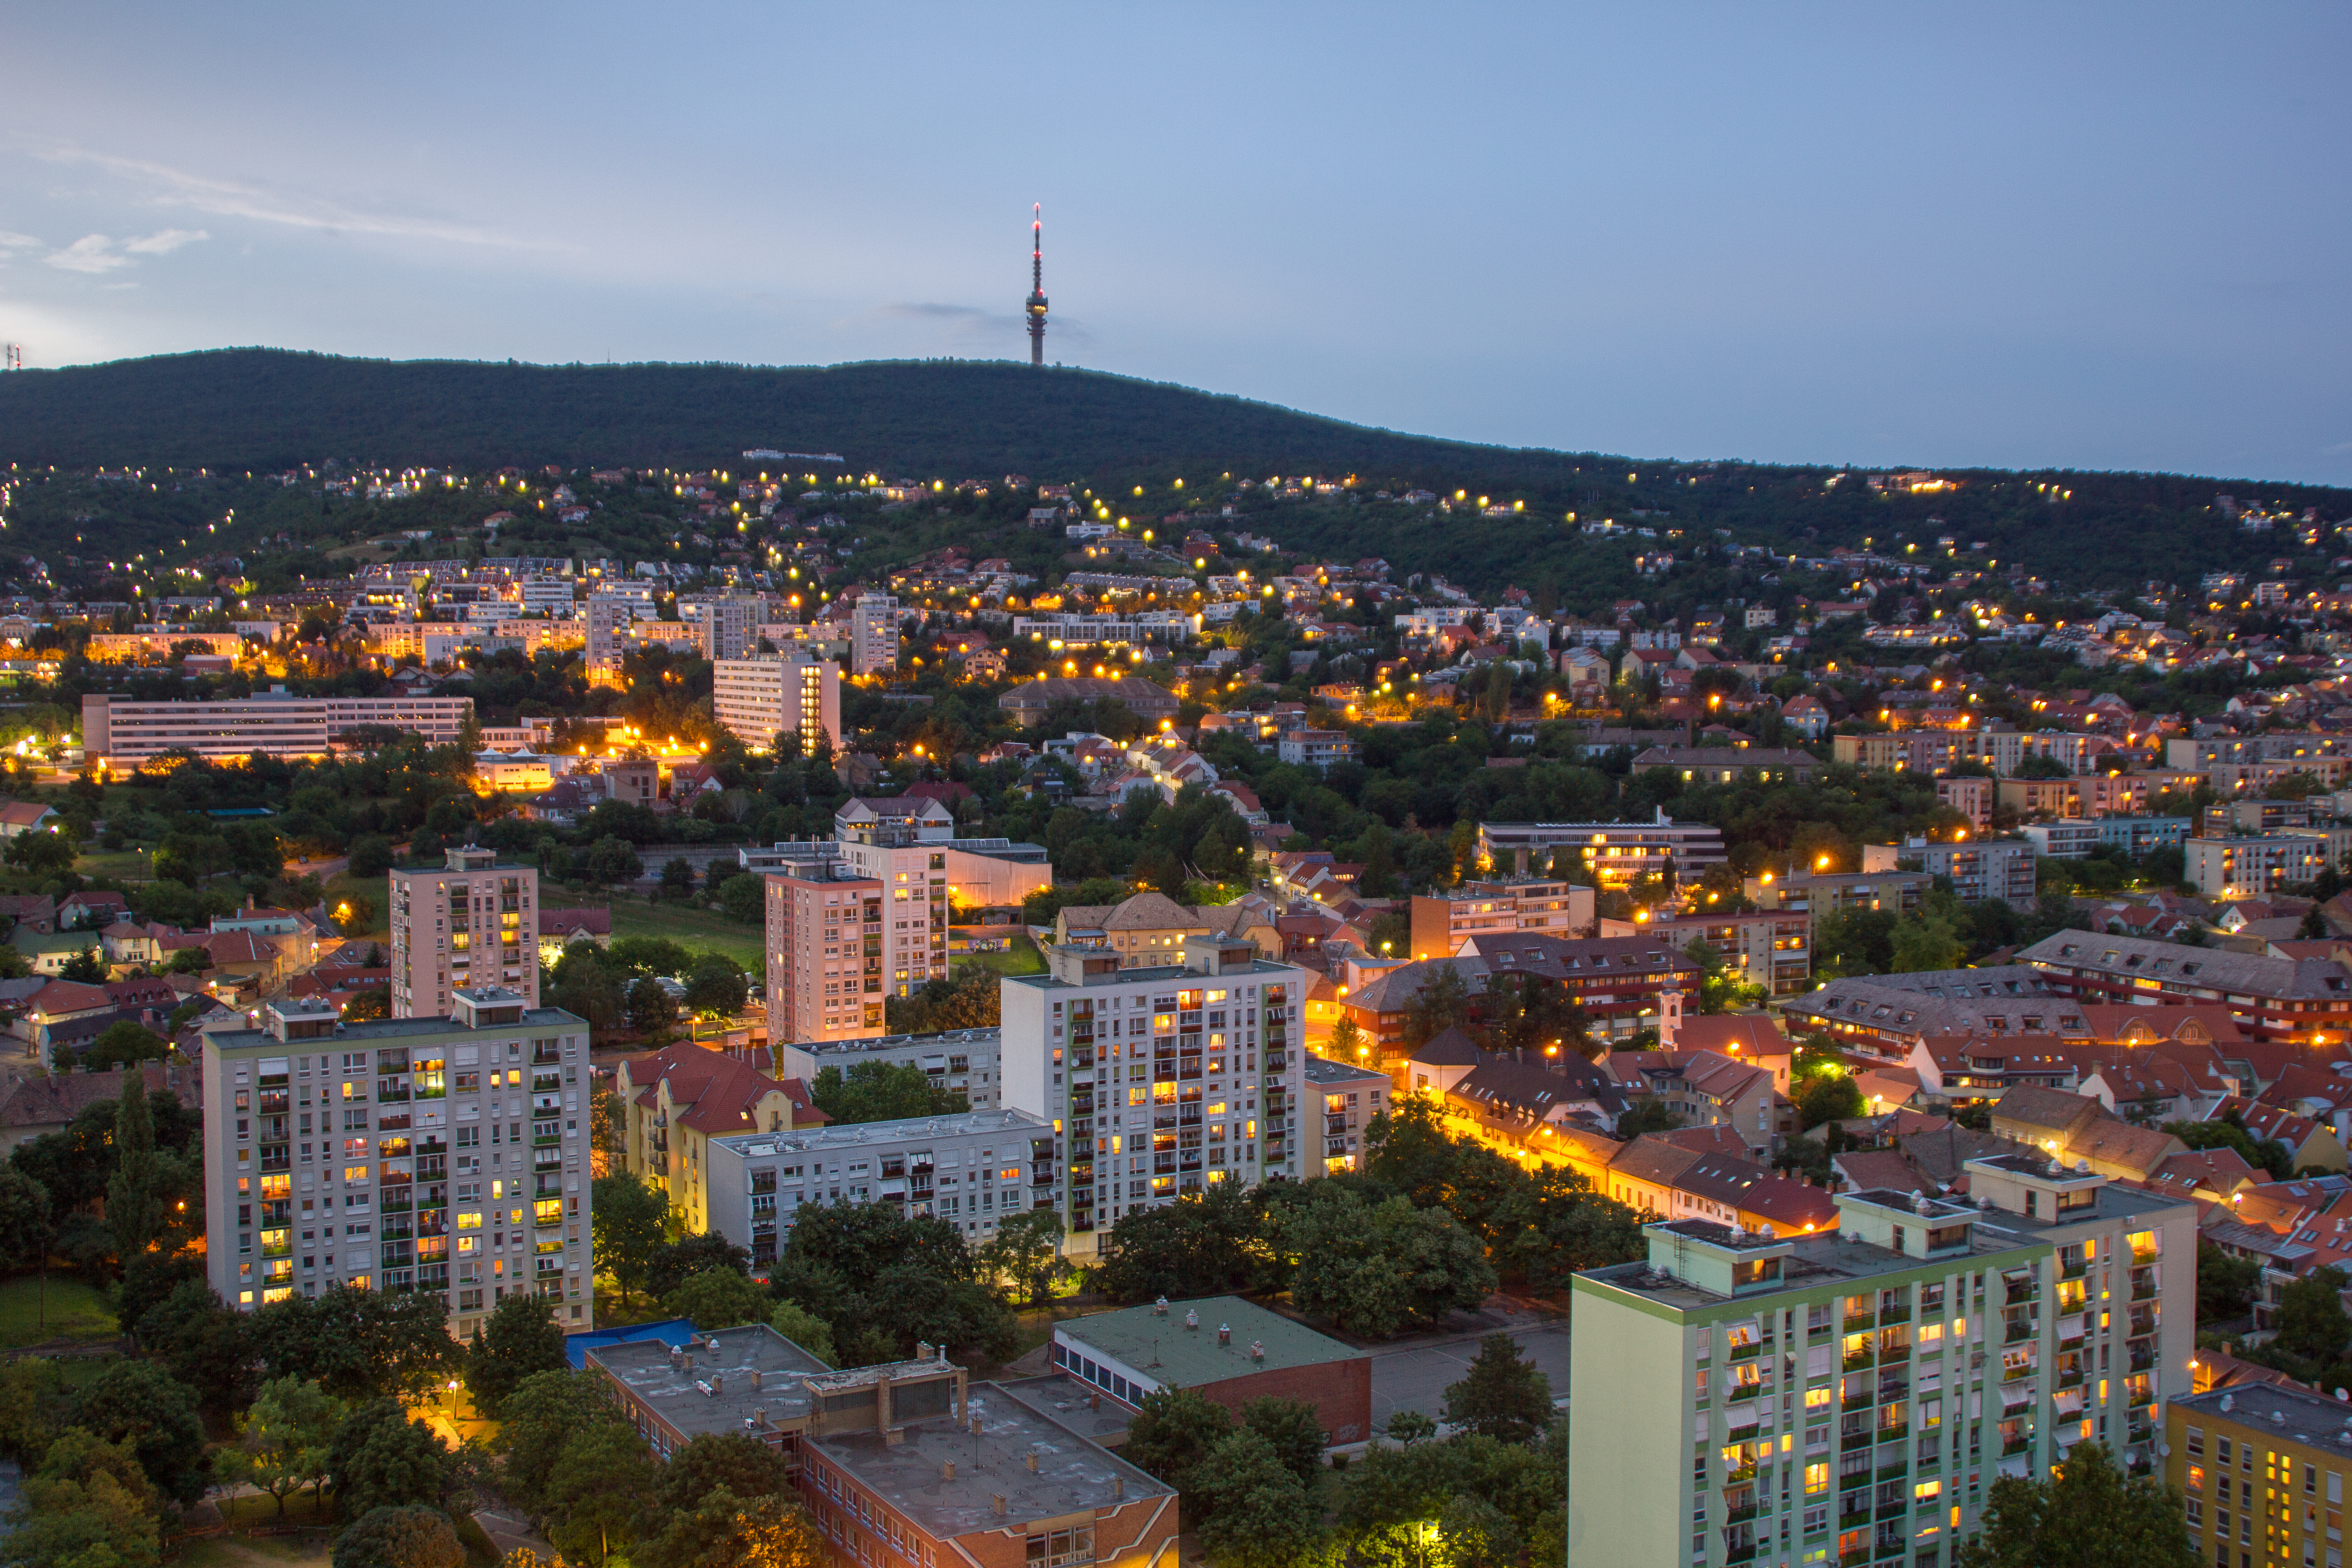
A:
672,1332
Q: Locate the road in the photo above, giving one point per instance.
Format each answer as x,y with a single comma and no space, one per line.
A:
1415,1376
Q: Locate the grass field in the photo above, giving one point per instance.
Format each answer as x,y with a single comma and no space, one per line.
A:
700,930
116,865
69,1309
1020,958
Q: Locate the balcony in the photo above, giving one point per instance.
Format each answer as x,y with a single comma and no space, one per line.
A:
1894,1434
1894,1314
1856,1360
2074,1268
1750,1351
1856,1322
2015,1445
2012,1333
1857,1402
1892,1511
1855,1520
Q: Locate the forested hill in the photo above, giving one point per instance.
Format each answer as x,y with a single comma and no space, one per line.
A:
263,409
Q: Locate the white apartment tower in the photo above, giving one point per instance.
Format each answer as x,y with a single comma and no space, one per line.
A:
608,628
760,699
469,923
730,628
1161,1082
446,1154
874,635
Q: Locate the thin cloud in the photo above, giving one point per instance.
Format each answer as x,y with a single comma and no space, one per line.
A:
92,253
165,241
972,322
18,241
226,198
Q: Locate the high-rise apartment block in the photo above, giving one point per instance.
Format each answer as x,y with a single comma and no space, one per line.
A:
874,635
444,1155
609,616
1850,1395
730,628
825,940
471,921
762,700
1158,1082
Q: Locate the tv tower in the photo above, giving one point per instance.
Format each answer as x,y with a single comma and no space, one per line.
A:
1037,285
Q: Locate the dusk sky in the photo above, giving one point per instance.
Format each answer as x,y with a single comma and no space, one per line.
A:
2027,236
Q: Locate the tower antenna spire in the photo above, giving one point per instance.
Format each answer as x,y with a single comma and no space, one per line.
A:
1036,306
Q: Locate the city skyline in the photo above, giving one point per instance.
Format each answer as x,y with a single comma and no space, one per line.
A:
2023,240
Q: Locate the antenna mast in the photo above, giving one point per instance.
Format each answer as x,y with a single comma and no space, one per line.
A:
15,356
1037,285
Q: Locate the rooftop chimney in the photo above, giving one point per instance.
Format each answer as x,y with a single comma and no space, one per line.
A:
1191,1317
759,1417
1224,1333
717,1385
758,1380
1030,1458
1258,1349
1118,1487
1159,1308
947,1472
923,1350
996,1501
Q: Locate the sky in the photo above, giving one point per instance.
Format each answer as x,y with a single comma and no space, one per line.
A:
2024,235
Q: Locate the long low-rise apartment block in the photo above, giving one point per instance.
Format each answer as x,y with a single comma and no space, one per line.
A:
120,735
961,1061
1616,854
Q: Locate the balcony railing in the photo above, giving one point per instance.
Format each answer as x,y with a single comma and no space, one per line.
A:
2015,1445
1856,1360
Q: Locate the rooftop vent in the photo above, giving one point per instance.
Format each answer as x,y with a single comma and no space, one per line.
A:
1030,1459
996,1501
1159,1308
947,1472
1258,1349
1224,1333
1191,1317
1118,1487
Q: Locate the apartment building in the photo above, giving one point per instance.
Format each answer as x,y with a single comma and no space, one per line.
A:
676,1100
1616,854
469,922
874,634
2271,998
1772,949
120,735
1353,1098
1851,1395
2255,864
904,1465
1441,921
450,1153
1981,868
1148,931
2092,794
825,939
609,615
1934,750
547,595
728,628
2063,840
1835,892
1625,985
2265,1459
2197,754
960,1062
763,699
1158,1081
2139,836
972,1169
1316,749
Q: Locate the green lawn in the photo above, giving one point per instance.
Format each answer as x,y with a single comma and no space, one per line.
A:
698,930
1020,958
69,1309
377,889
113,865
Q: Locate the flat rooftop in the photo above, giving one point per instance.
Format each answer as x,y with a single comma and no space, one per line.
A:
684,1395
1825,1258
2277,1410
1074,1473
392,1030
1164,1350
1159,972
943,1039
1324,1070
856,1134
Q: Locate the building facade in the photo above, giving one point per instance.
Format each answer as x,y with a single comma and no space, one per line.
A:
1850,1395
1441,921
676,1100
970,1169
440,1154
2262,1467
1229,1351
1353,1098
958,1061
470,921
120,735
824,940
1158,1081
2270,998
1616,854
1981,868
874,634
728,628
2254,864
608,617
760,699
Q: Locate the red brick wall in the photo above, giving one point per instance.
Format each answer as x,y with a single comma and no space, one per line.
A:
1340,1392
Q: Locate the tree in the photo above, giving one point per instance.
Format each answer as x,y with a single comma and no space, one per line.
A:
2089,1515
1827,1097
727,1531
1259,1514
516,1340
134,1196
1374,1269
24,1219
66,1522
1410,1426
1027,1250
805,1328
360,1344
692,1255
1477,1534
610,859
716,988
47,854
371,856
1212,1243
881,1091
121,1045
89,966
408,1536
380,1458
710,1462
629,1218
1440,1003
1925,941
1346,1041
1292,1429
2225,1284
652,1014
602,1482
1650,1115
1173,1431
1503,1397
677,881
718,1299
744,898
285,1439
2311,1320
540,1419
137,1404
2228,1131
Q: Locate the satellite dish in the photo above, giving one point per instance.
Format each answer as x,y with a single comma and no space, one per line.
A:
2164,1450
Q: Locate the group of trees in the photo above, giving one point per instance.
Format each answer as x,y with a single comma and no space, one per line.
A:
619,987
1497,1487
1430,1227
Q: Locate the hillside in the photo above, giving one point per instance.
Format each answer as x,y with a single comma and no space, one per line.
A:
265,410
